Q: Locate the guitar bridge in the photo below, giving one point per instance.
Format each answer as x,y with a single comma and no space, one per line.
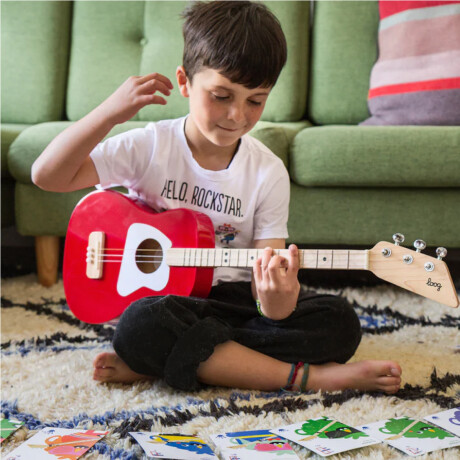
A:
94,255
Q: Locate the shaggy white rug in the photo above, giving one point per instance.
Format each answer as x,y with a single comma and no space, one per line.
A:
46,376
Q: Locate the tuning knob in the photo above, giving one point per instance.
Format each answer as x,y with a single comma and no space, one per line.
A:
441,253
419,245
398,238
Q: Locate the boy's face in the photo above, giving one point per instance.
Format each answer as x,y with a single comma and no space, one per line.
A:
222,111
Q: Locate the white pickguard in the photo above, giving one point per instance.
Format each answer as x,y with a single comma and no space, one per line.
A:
131,278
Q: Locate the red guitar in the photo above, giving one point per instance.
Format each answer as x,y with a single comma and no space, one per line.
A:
119,250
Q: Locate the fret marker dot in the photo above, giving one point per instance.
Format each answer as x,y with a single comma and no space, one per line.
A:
324,259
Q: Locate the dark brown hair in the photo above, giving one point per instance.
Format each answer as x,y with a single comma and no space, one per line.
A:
242,40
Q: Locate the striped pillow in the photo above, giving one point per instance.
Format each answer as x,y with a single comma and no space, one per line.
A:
416,79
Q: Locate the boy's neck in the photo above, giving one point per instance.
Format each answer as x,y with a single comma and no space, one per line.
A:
206,154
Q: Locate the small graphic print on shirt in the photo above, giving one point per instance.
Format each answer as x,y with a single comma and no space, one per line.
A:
202,197
226,233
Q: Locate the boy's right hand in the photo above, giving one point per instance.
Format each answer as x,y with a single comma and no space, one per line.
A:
134,94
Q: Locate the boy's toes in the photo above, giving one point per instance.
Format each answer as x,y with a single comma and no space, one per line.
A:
104,360
388,381
389,385
396,370
103,374
391,389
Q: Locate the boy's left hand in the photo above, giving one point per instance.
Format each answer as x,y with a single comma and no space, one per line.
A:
276,282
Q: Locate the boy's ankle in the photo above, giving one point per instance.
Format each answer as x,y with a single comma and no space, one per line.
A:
297,381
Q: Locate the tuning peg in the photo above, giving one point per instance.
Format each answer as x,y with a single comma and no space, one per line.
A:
419,245
441,253
398,238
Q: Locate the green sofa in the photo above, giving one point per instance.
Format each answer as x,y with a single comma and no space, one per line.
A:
351,185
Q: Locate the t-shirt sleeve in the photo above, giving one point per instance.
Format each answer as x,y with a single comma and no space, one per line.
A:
272,212
123,159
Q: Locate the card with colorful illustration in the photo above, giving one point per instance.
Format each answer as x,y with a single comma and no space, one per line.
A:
448,419
410,435
173,446
56,443
325,436
8,426
253,445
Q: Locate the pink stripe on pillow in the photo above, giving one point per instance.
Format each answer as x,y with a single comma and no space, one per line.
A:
414,38
429,85
416,68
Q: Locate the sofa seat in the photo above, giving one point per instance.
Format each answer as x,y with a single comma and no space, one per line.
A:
354,156
362,216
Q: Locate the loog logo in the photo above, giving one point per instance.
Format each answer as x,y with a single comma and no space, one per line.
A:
432,283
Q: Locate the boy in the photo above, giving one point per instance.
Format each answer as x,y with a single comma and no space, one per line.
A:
233,54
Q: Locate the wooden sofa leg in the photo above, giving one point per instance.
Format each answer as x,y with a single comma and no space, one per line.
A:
47,253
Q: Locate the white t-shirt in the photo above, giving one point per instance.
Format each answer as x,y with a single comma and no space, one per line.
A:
247,201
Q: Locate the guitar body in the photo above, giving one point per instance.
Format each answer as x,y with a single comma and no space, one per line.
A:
131,230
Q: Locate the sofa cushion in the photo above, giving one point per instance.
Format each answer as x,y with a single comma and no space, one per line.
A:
31,142
416,79
344,48
9,133
35,42
377,156
113,40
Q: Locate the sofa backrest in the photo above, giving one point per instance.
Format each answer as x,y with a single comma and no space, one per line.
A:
35,43
113,40
344,49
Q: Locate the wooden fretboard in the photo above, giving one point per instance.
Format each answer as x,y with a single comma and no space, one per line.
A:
308,258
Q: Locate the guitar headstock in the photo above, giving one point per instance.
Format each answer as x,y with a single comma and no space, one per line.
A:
425,275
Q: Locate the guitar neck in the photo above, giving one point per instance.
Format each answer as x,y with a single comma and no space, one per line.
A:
327,259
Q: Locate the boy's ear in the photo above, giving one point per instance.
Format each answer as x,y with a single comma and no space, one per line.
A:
182,81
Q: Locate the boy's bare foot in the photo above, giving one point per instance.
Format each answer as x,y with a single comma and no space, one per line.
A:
363,375
110,368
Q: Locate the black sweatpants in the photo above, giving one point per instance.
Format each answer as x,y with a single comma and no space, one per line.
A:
170,336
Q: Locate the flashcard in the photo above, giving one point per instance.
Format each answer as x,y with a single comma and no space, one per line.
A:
448,419
410,435
173,446
8,426
250,445
325,436
57,443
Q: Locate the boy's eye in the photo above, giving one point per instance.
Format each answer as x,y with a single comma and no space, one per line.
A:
255,102
220,98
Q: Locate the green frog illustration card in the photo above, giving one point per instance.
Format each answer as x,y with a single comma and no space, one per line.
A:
325,436
411,436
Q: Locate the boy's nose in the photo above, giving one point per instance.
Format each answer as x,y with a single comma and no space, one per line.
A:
236,113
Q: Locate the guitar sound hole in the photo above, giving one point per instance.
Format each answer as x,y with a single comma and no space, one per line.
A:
149,256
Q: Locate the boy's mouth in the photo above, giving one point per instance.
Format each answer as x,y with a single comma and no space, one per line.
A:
230,130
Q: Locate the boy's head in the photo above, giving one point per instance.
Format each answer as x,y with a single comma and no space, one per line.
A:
240,39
